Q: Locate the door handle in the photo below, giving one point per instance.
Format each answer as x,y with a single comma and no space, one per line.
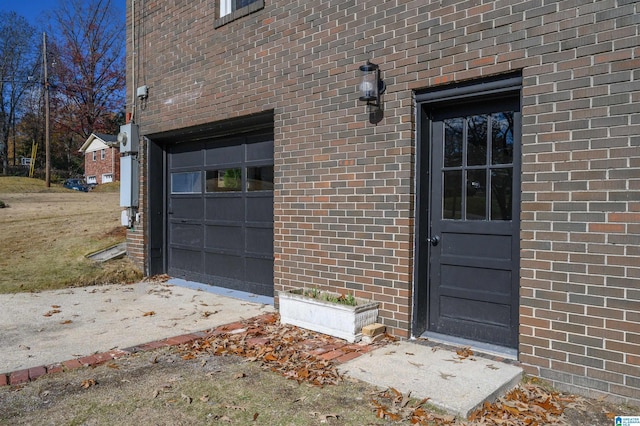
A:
434,240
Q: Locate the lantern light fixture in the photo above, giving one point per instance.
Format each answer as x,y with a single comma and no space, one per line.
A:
371,86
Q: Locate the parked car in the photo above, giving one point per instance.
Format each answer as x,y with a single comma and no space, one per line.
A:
76,185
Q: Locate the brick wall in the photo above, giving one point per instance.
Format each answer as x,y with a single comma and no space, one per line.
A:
136,235
99,167
345,188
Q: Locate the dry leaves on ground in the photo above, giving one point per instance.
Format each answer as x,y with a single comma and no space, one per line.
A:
527,405
393,405
287,350
279,348
86,384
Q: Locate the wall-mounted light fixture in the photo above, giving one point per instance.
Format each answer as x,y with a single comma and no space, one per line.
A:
371,86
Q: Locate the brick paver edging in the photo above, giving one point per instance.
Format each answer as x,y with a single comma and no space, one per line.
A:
337,352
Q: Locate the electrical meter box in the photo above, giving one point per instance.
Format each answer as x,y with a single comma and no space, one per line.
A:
129,185
129,138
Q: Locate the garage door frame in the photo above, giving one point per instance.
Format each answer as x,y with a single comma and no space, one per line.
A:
156,185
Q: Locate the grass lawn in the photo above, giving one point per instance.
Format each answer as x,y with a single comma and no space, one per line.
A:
45,234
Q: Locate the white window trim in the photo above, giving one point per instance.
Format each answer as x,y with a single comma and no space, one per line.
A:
94,156
92,179
225,7
104,176
226,13
103,154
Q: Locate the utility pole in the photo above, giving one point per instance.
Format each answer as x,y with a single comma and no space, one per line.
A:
46,113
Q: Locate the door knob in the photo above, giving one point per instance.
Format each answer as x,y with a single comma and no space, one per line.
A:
434,240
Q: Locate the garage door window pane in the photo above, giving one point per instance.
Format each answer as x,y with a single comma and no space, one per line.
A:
260,178
224,180
186,183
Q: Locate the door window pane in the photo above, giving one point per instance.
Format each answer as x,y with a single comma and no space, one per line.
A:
452,195
260,178
453,134
477,140
501,194
224,180
186,183
476,197
502,138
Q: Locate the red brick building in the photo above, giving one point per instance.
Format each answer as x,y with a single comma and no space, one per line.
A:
493,195
101,159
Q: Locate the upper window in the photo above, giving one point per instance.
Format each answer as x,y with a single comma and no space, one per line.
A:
103,154
231,10
94,156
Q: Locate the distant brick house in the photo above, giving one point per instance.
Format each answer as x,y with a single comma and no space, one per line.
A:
101,159
493,196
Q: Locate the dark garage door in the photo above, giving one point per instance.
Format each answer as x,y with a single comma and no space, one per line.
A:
220,212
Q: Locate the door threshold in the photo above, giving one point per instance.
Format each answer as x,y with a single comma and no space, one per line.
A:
222,291
481,347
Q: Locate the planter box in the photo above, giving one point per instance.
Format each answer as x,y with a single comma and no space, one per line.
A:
330,318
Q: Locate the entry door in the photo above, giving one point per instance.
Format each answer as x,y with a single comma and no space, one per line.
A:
473,233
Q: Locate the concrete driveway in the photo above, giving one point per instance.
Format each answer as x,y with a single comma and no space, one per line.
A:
55,326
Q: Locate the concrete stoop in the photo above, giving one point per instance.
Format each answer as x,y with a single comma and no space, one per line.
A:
453,383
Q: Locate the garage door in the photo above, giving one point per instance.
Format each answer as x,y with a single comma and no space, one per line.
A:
220,212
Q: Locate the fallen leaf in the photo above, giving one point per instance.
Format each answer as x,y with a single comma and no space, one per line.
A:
446,376
50,313
464,352
148,314
255,416
235,407
88,383
325,417
114,366
55,306
186,398
204,398
66,322
239,376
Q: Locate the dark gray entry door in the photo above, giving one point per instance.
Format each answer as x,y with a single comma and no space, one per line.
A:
473,235
220,213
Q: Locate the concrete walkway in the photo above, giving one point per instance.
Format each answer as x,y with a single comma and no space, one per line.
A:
455,383
49,331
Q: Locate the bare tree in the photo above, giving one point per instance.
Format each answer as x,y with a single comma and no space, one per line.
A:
89,67
18,60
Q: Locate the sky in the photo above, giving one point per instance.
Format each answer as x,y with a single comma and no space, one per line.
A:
34,10
30,9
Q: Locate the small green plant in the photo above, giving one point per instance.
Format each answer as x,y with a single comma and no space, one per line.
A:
314,292
3,204
348,299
